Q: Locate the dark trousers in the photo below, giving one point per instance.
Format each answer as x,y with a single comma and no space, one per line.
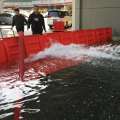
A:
37,31
20,29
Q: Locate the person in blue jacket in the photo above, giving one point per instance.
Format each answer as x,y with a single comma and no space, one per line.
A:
36,21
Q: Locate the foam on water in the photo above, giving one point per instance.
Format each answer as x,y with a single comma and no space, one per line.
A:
12,91
11,95
75,52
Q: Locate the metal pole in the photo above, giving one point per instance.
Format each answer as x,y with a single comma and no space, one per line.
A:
81,12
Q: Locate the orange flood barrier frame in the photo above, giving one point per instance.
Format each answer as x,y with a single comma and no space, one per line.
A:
9,52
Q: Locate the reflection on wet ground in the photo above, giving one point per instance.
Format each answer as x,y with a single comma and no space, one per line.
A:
88,91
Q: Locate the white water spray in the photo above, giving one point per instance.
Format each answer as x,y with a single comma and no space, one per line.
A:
75,52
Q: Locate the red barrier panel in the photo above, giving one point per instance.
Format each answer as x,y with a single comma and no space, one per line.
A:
51,65
3,56
36,43
11,47
80,37
66,38
90,37
103,35
53,37
58,26
76,37
32,44
45,42
100,36
108,33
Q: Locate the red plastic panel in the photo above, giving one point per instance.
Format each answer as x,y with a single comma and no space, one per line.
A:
80,37
3,56
53,37
58,26
45,42
36,43
51,65
11,47
103,35
32,44
35,70
66,38
90,37
108,33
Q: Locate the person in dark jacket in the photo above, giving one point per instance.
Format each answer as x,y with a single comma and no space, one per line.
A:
36,21
18,21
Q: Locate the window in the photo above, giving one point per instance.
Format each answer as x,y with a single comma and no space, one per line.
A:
53,14
58,13
5,19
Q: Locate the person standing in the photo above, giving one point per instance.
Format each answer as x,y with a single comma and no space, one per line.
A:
36,21
18,21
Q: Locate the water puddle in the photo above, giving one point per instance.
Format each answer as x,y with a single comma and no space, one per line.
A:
14,93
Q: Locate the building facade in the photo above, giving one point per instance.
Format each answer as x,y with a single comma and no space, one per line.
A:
30,3
89,14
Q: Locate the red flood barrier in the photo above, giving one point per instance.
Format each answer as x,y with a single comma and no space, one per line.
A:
9,52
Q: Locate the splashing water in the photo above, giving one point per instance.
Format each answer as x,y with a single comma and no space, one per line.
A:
15,94
75,52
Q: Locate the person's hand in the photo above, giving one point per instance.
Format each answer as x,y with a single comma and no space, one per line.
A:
28,28
45,30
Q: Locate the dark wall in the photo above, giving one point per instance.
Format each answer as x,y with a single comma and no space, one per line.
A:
101,13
